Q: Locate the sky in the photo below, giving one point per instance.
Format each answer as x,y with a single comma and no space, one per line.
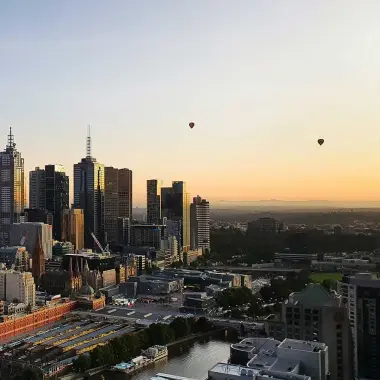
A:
261,79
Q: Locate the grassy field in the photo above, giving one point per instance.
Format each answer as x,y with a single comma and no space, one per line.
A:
320,276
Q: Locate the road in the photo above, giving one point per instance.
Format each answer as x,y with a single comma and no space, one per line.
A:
269,270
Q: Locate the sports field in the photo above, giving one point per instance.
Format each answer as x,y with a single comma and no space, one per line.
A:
320,276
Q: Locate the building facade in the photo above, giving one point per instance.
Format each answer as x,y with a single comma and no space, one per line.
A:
153,201
200,224
89,196
12,188
37,189
31,231
57,196
117,200
316,315
361,295
175,207
17,286
73,227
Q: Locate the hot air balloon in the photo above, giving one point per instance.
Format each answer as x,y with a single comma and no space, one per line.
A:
321,141
191,125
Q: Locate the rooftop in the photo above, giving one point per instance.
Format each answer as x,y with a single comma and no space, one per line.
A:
257,344
302,345
230,369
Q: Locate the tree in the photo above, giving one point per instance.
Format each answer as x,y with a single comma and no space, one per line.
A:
28,309
180,326
82,363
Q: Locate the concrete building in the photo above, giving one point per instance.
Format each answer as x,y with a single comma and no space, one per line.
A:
37,190
361,295
12,188
89,196
17,286
73,227
175,207
30,231
200,224
267,358
314,314
153,201
57,196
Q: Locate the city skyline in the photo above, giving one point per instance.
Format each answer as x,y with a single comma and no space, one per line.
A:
261,81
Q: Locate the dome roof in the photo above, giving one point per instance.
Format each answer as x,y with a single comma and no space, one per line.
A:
86,290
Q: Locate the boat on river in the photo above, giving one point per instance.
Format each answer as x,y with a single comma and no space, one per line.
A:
156,352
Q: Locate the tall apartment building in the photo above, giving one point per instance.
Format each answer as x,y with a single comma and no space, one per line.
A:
17,286
57,196
12,188
153,201
37,189
314,314
89,196
361,294
175,207
73,227
117,200
200,224
32,231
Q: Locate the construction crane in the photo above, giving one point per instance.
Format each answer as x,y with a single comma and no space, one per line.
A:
104,251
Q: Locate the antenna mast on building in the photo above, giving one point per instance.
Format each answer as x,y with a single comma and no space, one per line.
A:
11,142
88,142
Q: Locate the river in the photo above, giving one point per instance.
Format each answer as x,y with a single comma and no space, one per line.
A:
193,361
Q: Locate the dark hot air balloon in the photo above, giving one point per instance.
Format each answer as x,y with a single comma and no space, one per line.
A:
191,125
321,141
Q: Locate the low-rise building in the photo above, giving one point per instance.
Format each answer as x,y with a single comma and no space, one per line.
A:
265,358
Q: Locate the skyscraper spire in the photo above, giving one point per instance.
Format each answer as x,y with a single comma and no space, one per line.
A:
88,142
11,143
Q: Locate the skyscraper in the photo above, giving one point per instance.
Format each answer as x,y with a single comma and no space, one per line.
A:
176,208
57,196
117,199
89,195
111,203
153,201
200,224
37,189
361,294
125,193
12,188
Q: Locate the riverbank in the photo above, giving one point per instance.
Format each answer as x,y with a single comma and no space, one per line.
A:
193,337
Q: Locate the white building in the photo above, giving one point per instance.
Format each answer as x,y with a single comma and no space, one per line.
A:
200,224
17,285
270,358
30,231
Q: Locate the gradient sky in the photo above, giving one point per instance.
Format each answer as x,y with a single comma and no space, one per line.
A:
262,80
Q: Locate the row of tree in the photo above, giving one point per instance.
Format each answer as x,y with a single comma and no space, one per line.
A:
128,346
258,246
241,301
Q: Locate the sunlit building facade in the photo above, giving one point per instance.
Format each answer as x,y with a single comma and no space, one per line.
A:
12,188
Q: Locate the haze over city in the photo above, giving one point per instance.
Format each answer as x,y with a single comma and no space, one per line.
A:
261,80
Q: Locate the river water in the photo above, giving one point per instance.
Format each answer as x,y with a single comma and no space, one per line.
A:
192,361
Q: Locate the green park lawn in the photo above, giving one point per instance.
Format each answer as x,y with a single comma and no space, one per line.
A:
320,276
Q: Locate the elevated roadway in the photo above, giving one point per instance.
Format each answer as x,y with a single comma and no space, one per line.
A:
253,270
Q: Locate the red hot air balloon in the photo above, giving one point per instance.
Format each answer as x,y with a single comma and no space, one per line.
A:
191,125
321,141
